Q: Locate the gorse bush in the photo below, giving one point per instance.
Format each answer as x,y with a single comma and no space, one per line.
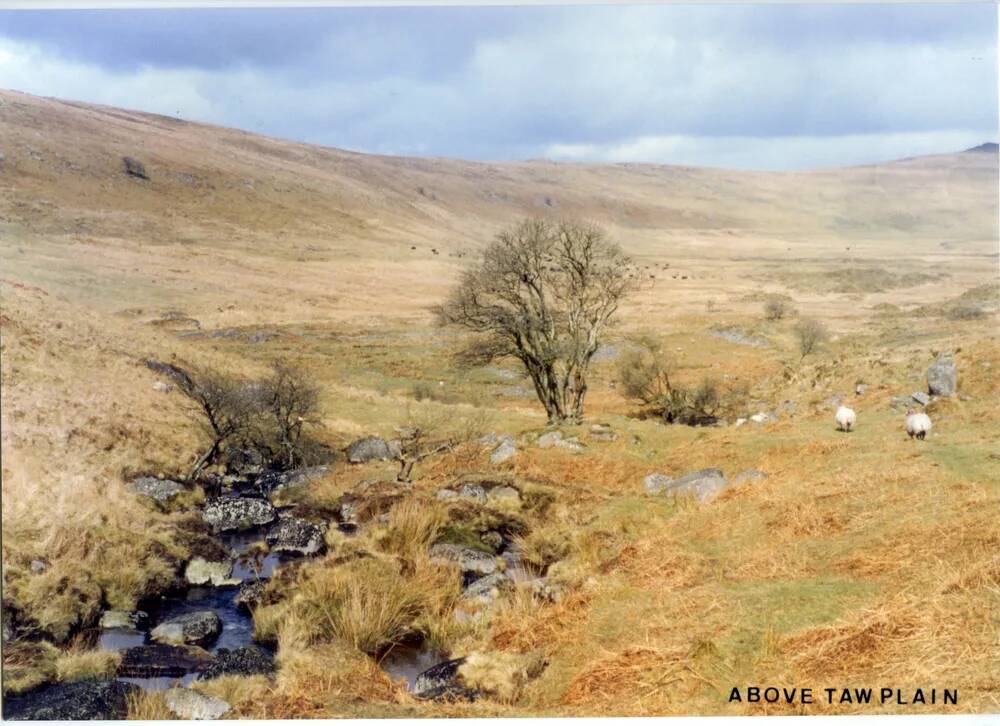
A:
777,309
811,334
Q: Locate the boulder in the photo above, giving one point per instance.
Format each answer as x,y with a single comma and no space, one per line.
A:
275,481
942,376
473,492
197,628
189,704
134,167
447,494
920,397
505,451
504,495
371,448
200,571
468,559
859,390
238,513
489,588
250,660
701,485
547,591
571,444
763,418
656,483
437,676
492,539
163,661
88,700
603,436
161,387
250,594
161,490
129,619
291,534
549,439
749,475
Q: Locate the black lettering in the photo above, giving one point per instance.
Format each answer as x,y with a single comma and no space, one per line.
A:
807,695
734,695
767,694
863,695
918,696
951,696
829,694
753,694
885,694
845,696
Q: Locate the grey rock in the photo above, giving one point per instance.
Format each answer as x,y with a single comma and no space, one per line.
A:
200,571
492,539
250,660
734,335
604,436
505,451
161,490
547,591
859,390
88,700
371,448
38,567
701,485
238,513
197,628
763,418
901,403
571,444
130,619
134,167
749,475
250,594
489,588
446,494
473,492
468,559
177,375
161,387
549,439
276,481
163,661
291,534
920,397
437,676
942,376
189,704
656,483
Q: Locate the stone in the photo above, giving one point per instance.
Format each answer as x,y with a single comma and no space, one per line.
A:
371,448
473,492
291,534
749,475
38,567
901,403
134,167
449,693
859,390
275,481
762,418
740,422
446,494
200,571
250,660
87,700
504,495
600,428
163,661
189,704
656,483
920,397
197,628
250,594
437,676
571,444
161,387
942,376
468,559
505,451
701,485
548,440
161,490
489,588
130,619
238,513
547,591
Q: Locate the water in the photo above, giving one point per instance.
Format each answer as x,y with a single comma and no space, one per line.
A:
252,562
406,662
237,623
161,684
120,639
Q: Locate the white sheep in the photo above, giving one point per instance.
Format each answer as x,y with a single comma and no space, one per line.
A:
917,424
846,418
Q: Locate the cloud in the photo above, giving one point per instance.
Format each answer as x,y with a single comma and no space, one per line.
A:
765,86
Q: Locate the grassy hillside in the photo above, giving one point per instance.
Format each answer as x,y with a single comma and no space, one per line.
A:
864,559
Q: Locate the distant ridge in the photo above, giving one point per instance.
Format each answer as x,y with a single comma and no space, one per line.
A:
989,147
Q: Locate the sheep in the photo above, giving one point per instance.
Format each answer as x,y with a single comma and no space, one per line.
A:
917,424
846,418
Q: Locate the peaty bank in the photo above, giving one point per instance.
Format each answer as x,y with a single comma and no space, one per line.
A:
883,696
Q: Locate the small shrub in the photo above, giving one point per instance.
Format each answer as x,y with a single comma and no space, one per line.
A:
811,334
777,309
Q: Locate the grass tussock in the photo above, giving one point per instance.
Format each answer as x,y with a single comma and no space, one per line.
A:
149,706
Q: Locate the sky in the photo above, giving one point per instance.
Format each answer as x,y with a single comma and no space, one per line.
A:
769,87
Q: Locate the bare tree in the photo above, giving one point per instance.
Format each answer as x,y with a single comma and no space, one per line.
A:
777,309
811,334
288,402
430,435
544,293
222,407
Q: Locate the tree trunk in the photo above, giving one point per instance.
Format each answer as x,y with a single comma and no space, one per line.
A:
208,456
